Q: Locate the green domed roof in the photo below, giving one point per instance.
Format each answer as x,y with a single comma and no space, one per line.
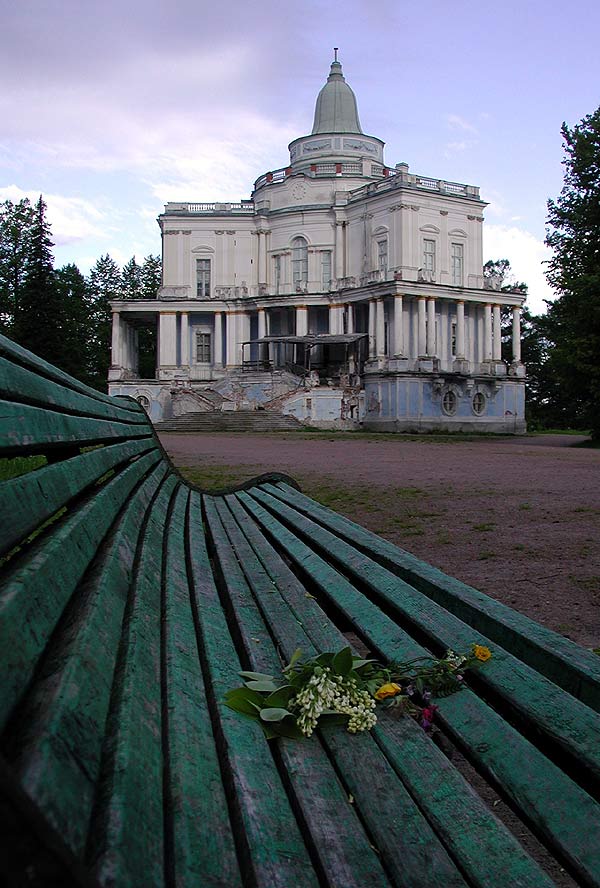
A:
336,110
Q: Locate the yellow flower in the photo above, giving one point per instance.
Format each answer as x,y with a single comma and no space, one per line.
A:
482,653
387,690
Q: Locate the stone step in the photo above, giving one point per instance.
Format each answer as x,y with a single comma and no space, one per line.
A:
230,421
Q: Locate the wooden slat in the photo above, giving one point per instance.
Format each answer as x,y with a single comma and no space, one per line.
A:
31,429
345,853
25,386
200,832
57,740
19,356
410,851
36,589
28,501
126,841
270,845
565,663
536,786
565,720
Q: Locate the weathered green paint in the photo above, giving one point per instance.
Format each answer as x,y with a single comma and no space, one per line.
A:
562,661
57,740
35,589
32,428
119,637
28,501
20,357
565,720
126,841
25,386
538,787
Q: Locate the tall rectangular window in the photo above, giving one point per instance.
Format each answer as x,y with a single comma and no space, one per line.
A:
453,339
457,264
277,273
203,348
429,256
203,278
382,258
326,269
299,263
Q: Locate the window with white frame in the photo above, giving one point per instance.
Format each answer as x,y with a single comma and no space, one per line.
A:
203,278
202,348
457,254
382,258
299,263
429,256
326,269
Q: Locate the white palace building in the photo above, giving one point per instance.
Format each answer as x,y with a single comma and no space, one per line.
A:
344,292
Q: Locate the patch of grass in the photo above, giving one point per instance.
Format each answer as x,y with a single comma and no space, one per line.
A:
524,507
20,465
485,556
211,478
486,527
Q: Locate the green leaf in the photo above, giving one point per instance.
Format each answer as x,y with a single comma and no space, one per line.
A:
358,663
256,676
295,657
287,728
273,714
265,686
241,701
325,659
280,697
342,662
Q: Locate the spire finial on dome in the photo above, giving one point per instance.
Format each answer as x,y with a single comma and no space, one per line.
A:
335,50
336,110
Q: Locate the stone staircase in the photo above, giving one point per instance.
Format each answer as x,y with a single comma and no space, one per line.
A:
230,421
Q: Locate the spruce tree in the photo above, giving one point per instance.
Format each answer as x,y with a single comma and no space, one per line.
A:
37,319
573,321
131,280
74,321
104,286
17,221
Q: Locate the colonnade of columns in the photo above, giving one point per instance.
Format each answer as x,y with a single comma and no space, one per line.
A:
175,348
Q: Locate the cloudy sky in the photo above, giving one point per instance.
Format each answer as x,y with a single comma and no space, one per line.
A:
112,109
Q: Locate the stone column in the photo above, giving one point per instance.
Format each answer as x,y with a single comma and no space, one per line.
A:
372,345
349,318
243,327
116,357
422,328
167,357
231,338
497,344
336,320
516,334
487,332
431,338
398,326
339,250
218,340
301,320
184,340
460,329
380,329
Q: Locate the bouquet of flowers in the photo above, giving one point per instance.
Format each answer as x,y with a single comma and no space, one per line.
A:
342,688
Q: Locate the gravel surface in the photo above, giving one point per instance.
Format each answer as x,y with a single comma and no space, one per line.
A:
519,518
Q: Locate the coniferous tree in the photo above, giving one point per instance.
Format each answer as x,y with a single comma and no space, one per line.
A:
131,280
16,226
151,277
573,320
74,321
37,319
104,286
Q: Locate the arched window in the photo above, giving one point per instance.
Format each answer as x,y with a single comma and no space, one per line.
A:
299,263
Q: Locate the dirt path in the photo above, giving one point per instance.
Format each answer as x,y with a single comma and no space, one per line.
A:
519,518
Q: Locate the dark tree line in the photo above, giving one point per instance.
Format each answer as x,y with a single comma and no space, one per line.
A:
58,313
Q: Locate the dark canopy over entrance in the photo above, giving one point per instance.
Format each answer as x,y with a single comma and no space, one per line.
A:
329,354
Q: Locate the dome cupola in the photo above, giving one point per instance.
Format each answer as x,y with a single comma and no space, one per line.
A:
336,110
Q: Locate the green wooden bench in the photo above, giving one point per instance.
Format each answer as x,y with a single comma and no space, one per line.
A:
130,601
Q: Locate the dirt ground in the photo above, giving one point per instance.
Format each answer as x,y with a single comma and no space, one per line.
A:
519,518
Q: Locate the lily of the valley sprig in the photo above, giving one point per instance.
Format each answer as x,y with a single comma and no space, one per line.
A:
342,688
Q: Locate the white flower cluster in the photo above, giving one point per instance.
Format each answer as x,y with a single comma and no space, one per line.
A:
455,661
326,691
